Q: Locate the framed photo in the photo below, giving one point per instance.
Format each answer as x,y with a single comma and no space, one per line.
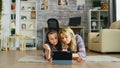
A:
44,5
23,17
80,4
23,26
62,2
33,14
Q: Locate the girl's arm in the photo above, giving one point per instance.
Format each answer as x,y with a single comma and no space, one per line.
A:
47,51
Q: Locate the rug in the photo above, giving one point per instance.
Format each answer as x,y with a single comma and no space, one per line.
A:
102,59
32,59
88,59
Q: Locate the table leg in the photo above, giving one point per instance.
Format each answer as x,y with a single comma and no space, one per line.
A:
22,43
83,34
8,44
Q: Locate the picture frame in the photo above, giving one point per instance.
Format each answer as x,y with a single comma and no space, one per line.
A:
44,5
23,26
62,2
13,1
33,14
23,17
80,4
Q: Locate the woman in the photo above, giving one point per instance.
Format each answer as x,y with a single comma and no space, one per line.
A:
73,43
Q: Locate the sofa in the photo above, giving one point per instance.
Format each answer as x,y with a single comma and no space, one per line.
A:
106,40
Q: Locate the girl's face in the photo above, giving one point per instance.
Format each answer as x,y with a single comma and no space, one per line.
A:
66,38
53,38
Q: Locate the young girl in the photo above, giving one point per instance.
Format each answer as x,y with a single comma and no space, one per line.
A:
74,43
52,44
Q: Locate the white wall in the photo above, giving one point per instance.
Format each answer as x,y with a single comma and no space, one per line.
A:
117,10
5,21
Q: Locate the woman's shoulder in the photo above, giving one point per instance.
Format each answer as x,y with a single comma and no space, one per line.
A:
78,36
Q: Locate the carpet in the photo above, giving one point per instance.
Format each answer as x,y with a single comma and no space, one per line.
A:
32,59
102,59
88,59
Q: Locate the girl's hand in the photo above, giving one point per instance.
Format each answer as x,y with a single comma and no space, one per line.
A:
64,49
47,52
46,46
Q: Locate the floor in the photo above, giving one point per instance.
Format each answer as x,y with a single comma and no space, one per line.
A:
9,60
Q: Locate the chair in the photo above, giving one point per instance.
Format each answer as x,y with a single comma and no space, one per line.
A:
107,40
53,24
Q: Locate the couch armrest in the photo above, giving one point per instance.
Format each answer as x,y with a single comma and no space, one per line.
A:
110,39
91,35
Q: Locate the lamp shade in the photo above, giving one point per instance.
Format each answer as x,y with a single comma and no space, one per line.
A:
94,24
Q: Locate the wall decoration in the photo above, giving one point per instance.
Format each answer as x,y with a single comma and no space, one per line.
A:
63,2
33,14
23,17
13,0
44,4
23,26
31,26
80,4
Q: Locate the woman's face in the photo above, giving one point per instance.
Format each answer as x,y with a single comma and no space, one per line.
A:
53,39
66,38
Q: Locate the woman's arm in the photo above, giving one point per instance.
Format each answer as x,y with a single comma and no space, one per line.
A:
81,53
80,46
75,56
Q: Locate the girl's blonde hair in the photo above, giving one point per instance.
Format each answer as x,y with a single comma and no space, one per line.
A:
68,30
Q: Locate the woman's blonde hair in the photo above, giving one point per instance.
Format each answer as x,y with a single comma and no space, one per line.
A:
66,30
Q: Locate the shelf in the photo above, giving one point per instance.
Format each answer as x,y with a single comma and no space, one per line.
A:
28,29
97,18
28,22
28,19
28,1
27,10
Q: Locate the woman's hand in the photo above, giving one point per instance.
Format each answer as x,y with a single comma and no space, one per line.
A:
76,57
79,59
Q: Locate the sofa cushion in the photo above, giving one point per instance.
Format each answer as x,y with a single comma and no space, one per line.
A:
115,25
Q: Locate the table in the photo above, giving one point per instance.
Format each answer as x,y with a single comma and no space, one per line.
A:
23,41
73,27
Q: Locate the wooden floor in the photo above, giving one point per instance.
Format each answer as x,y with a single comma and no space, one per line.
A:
9,60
